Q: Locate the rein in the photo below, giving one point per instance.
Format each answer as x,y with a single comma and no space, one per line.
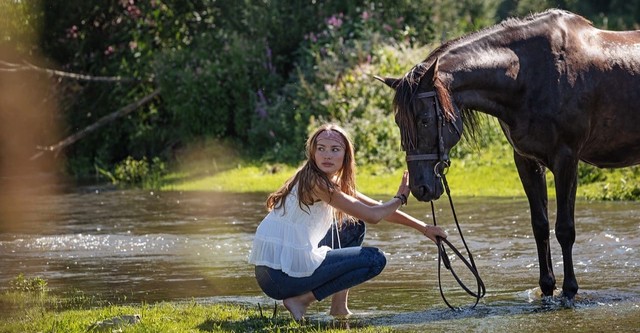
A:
443,258
442,159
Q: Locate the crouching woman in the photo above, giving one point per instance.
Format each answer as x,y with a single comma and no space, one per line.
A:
301,255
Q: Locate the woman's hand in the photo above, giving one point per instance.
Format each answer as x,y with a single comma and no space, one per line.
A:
433,232
403,189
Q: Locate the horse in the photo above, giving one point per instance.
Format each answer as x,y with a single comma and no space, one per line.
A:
562,91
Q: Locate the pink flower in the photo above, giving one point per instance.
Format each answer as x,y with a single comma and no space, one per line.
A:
72,32
110,50
312,37
134,11
335,21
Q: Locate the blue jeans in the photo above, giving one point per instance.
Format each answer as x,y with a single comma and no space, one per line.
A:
341,269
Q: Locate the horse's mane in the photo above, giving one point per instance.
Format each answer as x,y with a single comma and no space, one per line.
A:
406,89
408,85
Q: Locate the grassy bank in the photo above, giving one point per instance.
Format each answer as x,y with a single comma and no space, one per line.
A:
37,312
29,306
489,172
485,173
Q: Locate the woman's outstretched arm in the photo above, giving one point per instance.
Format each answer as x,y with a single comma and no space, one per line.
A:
400,217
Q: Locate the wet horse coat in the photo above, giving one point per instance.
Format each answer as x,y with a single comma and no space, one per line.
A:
563,92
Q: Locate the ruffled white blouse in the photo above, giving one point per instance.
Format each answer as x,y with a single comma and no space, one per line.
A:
287,238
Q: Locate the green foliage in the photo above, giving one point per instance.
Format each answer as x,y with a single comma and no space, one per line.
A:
453,18
588,174
23,284
608,184
117,38
340,44
142,173
258,74
334,83
20,24
613,14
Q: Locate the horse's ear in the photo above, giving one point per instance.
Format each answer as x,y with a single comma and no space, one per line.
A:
391,82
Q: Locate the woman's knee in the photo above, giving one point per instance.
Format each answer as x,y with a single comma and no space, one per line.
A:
266,282
377,259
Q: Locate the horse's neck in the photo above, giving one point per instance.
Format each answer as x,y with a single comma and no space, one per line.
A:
484,70
491,87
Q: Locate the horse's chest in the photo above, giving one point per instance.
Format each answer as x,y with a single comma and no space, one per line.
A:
533,139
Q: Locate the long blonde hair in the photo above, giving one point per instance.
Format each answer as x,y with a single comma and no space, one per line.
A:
309,176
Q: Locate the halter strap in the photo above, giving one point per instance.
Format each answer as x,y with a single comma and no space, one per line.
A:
426,94
441,155
422,157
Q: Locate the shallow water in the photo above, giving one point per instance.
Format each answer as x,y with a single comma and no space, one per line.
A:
169,246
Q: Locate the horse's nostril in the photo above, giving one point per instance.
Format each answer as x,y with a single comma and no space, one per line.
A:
427,191
423,191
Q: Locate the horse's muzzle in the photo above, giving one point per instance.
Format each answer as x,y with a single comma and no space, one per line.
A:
426,192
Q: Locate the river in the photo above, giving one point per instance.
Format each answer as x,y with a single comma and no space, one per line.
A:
144,246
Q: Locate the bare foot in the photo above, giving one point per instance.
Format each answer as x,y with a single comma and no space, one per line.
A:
339,307
298,305
343,313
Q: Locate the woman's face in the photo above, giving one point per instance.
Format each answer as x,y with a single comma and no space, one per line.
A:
329,155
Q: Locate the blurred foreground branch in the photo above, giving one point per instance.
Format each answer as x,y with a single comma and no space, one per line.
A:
99,123
12,67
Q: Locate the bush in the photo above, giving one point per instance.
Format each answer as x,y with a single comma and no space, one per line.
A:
22,284
334,83
609,184
139,173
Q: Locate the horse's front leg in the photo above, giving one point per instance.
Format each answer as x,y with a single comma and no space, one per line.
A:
533,178
565,171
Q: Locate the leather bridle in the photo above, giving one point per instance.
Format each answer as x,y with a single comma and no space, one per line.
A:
442,157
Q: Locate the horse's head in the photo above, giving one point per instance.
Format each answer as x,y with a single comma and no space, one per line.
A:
428,130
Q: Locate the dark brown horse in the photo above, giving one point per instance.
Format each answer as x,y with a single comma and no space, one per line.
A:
563,92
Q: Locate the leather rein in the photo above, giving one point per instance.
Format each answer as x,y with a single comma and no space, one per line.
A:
442,159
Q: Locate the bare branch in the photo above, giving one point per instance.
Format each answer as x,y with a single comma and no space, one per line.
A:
99,123
12,67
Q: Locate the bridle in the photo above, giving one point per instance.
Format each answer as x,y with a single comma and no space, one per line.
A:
442,157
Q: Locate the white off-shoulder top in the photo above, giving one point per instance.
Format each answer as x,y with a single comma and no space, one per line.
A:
287,238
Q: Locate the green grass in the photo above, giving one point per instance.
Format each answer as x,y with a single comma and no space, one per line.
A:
240,179
29,312
490,172
487,173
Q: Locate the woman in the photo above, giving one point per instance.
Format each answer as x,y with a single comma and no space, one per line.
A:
295,252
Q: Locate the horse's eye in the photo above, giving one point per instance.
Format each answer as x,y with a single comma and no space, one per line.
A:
425,120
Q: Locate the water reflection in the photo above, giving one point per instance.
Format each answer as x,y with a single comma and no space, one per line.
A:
173,246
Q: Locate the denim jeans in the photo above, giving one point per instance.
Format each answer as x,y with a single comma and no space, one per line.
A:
341,269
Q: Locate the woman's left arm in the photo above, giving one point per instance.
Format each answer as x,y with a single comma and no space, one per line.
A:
403,218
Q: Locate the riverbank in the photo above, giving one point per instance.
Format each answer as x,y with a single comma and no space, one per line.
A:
487,173
490,172
40,312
